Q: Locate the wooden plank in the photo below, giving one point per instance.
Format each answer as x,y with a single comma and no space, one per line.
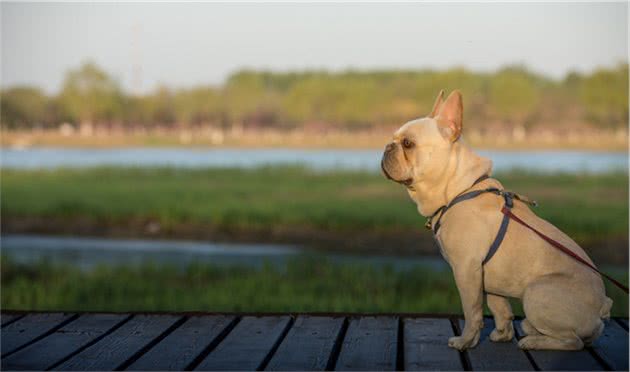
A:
548,360
8,318
612,346
496,356
426,345
308,345
182,346
119,346
45,353
370,344
32,326
247,346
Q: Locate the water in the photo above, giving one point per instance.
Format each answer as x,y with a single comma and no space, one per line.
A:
350,159
87,253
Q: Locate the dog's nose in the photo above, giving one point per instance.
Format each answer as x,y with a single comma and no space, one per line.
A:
389,147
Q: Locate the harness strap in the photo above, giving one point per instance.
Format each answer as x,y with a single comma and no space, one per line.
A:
459,198
498,239
507,215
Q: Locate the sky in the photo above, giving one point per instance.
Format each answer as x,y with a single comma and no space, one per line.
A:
144,45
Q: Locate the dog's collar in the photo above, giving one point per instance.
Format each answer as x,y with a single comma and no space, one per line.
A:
429,224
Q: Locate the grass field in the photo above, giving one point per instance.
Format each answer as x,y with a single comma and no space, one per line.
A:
295,204
303,286
286,204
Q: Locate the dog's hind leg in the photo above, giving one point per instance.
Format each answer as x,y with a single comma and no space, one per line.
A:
563,318
588,341
542,342
502,312
528,328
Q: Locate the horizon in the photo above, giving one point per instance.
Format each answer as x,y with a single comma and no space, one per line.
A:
203,44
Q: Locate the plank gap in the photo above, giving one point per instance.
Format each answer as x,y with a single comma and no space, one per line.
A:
484,355
561,359
599,359
426,348
97,339
463,355
42,336
611,348
621,322
152,343
276,345
336,350
370,344
400,346
308,345
213,344
530,357
18,317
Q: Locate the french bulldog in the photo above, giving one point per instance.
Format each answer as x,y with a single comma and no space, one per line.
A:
564,301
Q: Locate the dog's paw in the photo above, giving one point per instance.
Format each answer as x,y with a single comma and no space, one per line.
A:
504,335
461,343
527,343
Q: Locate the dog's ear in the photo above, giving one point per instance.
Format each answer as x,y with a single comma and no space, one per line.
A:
450,116
438,103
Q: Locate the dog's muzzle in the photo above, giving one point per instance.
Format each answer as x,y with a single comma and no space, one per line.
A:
388,151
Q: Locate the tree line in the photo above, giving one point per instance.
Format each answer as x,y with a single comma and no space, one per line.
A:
349,99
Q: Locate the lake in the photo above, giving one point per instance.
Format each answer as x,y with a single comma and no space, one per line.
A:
319,159
88,253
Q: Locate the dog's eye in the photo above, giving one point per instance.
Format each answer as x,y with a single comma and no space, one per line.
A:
407,144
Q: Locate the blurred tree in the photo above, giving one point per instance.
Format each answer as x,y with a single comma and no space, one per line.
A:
605,95
348,99
250,98
198,105
89,95
161,107
513,93
25,107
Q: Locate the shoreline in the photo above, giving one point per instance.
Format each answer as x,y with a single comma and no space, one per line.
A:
393,242
600,141
84,146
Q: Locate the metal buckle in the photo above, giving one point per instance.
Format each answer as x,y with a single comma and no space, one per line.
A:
526,200
509,198
428,224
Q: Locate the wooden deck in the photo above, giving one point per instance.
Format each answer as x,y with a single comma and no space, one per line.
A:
110,341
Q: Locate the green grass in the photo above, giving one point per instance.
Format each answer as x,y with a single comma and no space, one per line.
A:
304,285
588,207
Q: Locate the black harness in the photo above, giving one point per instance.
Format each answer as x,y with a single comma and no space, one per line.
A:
509,203
507,215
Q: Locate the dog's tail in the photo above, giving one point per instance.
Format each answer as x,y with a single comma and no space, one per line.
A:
604,312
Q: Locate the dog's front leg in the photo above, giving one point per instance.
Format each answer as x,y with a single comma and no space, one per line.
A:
468,278
502,311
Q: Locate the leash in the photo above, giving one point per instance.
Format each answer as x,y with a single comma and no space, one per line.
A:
507,215
567,251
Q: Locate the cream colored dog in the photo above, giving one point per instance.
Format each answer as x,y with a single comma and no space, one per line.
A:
564,301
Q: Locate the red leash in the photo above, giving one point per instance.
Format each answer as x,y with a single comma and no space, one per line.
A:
508,212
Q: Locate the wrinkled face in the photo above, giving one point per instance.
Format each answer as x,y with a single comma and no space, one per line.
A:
418,150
